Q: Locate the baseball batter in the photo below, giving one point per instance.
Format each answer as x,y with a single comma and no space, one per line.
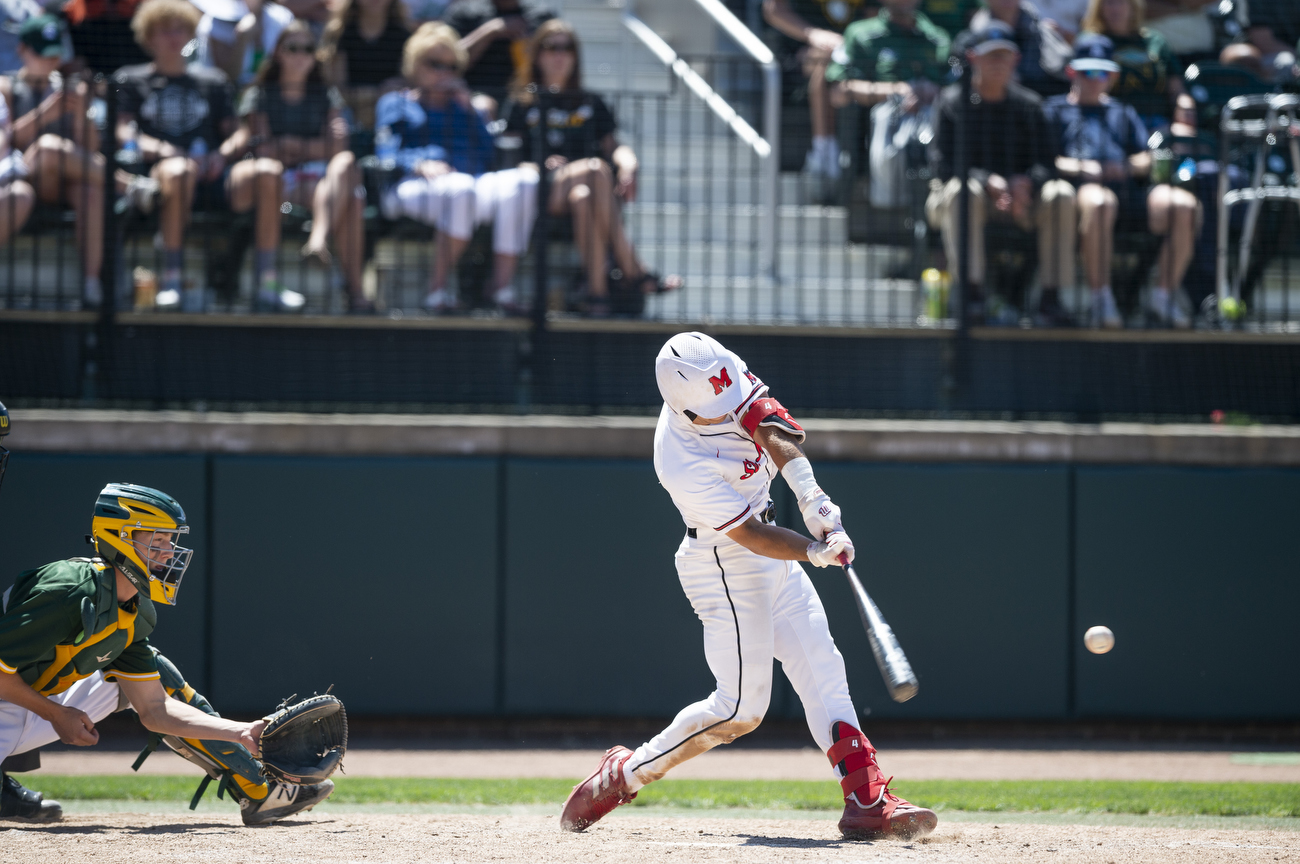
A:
719,443
74,648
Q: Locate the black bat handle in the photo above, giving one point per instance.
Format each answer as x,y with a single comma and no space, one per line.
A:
897,672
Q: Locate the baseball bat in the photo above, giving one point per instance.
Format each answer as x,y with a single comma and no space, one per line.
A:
894,668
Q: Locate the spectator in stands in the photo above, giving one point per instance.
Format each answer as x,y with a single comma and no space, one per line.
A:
177,115
1043,51
1150,77
60,144
1011,156
444,147
495,34
292,123
590,171
810,32
897,53
236,36
16,195
1274,28
1103,147
101,34
12,15
1065,15
952,16
362,52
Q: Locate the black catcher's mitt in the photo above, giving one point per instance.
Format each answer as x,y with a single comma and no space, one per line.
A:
305,743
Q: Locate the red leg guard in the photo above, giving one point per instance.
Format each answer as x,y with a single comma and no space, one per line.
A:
853,754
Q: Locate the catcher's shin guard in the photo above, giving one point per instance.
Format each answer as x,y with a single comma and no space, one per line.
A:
230,764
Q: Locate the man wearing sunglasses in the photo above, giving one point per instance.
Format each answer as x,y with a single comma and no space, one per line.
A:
74,648
1103,147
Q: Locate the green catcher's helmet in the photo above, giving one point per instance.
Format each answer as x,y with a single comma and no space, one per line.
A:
135,529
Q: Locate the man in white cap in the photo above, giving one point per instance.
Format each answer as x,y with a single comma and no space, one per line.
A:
719,442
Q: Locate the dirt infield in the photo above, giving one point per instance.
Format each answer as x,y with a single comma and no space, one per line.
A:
763,764
118,838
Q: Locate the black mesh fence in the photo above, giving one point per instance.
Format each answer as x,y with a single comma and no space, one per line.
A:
338,265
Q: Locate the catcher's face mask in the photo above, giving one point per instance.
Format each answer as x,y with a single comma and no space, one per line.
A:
165,559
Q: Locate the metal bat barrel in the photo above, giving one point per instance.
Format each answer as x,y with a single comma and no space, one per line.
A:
897,672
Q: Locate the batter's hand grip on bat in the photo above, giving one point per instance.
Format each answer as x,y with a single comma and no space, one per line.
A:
897,672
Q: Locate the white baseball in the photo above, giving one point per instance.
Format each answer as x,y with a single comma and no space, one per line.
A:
1099,639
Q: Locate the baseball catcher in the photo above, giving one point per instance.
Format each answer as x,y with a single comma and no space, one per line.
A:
719,442
74,648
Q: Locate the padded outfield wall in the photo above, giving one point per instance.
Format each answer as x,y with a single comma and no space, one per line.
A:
480,566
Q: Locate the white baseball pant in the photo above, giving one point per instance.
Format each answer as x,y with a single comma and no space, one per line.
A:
753,609
21,730
456,203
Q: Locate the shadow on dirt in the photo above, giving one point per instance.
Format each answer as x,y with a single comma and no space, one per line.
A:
794,842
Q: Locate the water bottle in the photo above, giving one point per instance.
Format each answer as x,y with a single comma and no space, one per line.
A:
130,153
1186,170
386,144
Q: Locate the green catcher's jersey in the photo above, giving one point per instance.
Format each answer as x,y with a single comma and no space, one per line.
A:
61,623
877,49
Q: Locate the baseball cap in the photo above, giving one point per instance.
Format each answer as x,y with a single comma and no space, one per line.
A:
994,36
43,34
1093,52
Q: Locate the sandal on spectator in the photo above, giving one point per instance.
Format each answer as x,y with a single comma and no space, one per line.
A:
141,193
360,305
658,284
596,306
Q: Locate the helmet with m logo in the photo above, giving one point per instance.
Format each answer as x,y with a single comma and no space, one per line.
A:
698,377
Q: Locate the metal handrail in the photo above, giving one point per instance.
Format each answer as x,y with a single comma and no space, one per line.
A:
768,146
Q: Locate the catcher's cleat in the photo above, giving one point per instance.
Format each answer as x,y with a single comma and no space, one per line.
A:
21,804
887,815
283,800
600,793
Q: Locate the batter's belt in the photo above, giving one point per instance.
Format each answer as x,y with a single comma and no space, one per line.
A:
767,516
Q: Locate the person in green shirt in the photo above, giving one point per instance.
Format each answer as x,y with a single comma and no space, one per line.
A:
952,15
1150,76
810,31
900,52
74,648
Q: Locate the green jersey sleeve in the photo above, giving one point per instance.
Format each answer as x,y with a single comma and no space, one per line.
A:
850,61
35,620
136,663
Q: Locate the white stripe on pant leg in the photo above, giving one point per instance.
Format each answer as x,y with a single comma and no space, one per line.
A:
94,695
732,595
809,657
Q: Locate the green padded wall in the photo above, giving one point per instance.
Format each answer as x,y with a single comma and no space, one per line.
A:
1196,571
390,563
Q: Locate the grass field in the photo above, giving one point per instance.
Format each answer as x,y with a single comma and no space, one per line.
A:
1277,800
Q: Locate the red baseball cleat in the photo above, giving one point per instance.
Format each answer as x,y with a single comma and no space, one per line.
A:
600,793
891,816
887,815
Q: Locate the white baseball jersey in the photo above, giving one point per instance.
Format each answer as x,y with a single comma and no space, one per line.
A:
717,476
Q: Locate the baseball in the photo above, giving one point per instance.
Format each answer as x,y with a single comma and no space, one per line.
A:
1099,639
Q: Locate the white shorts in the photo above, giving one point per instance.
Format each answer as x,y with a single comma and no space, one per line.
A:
21,730
457,203
753,609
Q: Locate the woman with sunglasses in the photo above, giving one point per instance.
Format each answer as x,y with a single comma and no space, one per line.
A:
1103,147
590,171
292,125
1150,76
445,150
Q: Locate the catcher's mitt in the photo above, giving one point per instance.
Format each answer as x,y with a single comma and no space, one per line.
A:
305,743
